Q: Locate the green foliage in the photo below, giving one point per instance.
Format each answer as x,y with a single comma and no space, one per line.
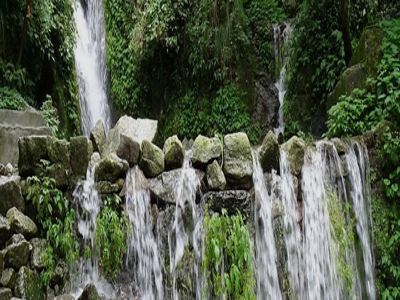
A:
47,54
50,116
56,220
111,237
227,259
11,99
343,235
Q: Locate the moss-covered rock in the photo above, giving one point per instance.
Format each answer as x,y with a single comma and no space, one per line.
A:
81,152
17,252
27,285
5,294
89,293
204,150
8,278
238,163
98,137
11,196
128,149
151,160
31,150
111,168
60,174
173,152
295,149
38,253
230,200
269,153
5,230
106,187
59,152
21,224
215,177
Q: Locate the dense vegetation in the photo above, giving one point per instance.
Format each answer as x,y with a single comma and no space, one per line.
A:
36,58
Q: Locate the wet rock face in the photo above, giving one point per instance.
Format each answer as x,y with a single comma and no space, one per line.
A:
269,153
81,152
89,293
238,162
98,137
215,177
230,200
295,149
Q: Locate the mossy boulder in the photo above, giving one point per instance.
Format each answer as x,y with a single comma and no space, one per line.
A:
98,137
59,152
230,200
38,253
295,149
31,150
269,153
5,230
215,177
205,150
151,160
8,278
17,252
5,294
21,224
111,168
128,149
106,187
27,285
59,173
238,163
11,196
81,152
174,153
89,293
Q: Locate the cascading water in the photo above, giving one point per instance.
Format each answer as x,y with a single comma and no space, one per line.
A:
143,250
89,203
180,234
358,166
280,40
90,63
266,270
292,233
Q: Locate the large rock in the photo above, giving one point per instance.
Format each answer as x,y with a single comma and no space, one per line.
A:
11,196
205,150
81,152
238,163
295,149
21,223
267,105
111,168
5,230
59,152
98,137
17,124
174,153
128,149
38,253
136,129
106,187
8,278
89,293
31,150
269,153
215,177
231,200
17,252
5,294
363,64
151,160
59,173
27,285
163,187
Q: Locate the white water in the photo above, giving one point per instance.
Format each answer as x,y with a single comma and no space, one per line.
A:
179,236
89,201
292,233
143,249
280,40
266,269
90,63
358,165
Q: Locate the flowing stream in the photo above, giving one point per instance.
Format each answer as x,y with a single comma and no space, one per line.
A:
90,64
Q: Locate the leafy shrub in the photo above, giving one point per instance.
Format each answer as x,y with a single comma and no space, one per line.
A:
50,116
111,237
227,259
11,99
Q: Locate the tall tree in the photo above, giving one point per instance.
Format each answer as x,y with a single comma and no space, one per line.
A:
345,29
24,32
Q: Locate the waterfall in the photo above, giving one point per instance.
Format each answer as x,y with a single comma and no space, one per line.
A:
90,64
266,269
181,234
143,250
281,38
89,202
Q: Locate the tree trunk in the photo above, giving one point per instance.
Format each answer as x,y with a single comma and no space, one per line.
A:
345,28
24,32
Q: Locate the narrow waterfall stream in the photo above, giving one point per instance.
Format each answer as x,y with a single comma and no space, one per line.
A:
90,63
281,38
266,270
